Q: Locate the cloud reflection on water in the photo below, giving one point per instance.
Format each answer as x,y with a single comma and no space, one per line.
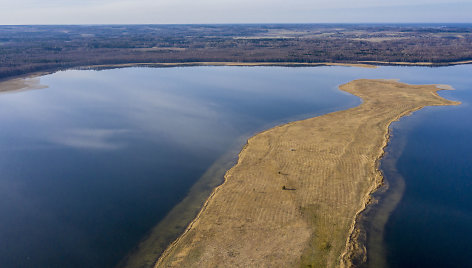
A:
104,139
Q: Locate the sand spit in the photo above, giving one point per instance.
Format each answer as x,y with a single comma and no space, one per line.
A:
21,83
295,194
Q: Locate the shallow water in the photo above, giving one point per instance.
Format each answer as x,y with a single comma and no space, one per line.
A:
92,163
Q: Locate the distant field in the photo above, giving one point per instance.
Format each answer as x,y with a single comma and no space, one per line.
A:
25,49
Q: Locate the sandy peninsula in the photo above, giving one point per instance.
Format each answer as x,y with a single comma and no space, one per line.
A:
295,194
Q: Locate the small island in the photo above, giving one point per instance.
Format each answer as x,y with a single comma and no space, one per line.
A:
298,189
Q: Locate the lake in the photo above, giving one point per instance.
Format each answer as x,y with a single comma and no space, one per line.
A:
93,162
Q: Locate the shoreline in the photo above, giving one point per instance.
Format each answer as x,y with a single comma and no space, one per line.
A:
373,220
352,244
351,249
229,63
362,64
165,232
22,83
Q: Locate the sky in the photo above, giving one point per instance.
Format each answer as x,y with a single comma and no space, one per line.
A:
232,11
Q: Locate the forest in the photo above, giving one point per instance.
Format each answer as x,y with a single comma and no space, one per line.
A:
26,49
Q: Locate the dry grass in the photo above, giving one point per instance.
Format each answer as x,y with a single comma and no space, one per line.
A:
330,161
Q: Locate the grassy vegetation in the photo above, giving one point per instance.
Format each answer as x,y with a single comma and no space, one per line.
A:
331,161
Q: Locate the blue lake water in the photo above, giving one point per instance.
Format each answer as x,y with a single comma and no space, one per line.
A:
431,226
90,164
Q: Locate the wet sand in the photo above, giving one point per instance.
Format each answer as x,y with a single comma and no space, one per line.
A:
296,193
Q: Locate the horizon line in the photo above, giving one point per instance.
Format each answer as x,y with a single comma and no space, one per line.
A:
240,23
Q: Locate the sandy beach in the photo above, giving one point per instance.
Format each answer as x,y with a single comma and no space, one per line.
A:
295,194
246,64
22,83
361,64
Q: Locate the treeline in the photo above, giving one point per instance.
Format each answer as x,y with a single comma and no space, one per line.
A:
25,49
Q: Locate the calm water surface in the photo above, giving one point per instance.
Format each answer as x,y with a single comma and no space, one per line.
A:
431,226
92,163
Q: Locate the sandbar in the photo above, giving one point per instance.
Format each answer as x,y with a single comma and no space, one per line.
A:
295,194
